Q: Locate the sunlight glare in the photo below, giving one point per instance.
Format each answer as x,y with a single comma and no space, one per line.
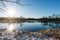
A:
10,12
10,27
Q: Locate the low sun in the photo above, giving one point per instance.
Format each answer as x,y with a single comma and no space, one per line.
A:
10,12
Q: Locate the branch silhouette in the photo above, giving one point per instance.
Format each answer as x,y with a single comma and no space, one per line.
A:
10,1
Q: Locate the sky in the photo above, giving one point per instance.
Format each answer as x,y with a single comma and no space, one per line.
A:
37,9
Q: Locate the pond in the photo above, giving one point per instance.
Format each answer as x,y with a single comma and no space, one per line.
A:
27,31
33,27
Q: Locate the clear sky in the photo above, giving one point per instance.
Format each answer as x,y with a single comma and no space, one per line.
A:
37,9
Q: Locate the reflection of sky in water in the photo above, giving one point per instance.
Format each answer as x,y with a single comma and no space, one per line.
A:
29,26
10,27
32,27
3,25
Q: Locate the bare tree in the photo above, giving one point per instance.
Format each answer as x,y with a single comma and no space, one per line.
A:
11,1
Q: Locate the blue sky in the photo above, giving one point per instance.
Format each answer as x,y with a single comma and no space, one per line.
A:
37,9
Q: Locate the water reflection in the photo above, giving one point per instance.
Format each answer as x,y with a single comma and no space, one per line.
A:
10,27
52,25
36,26
29,31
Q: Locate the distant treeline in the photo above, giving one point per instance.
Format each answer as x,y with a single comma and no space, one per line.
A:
46,19
7,19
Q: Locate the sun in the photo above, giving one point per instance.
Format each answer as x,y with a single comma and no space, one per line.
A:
10,12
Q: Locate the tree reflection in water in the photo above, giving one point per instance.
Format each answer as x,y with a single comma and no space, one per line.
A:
51,24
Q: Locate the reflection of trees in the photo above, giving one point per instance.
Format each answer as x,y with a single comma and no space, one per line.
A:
52,25
20,24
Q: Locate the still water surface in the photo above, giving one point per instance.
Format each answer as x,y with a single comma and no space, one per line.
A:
36,26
